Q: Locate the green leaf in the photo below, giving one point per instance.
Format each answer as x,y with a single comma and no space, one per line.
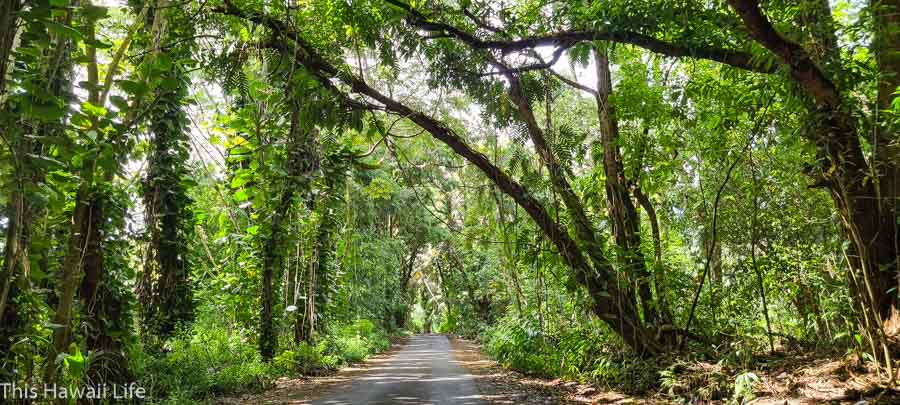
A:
132,87
169,83
63,30
119,102
93,110
239,181
97,44
46,112
242,195
74,363
162,63
241,177
37,274
94,13
45,162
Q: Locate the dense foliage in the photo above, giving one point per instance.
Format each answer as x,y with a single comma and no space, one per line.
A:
203,196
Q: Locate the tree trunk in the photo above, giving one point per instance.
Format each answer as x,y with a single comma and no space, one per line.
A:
268,340
302,165
166,292
297,285
325,253
868,209
659,270
9,26
21,213
105,312
310,315
71,275
613,303
622,213
15,268
399,314
72,271
887,159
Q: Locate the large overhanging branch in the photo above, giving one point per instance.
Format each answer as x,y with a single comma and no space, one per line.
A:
325,72
541,65
568,39
601,282
617,313
802,68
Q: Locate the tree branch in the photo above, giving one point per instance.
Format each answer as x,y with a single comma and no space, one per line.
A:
619,314
567,39
802,68
542,65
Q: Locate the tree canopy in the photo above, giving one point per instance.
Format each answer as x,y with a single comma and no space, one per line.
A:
575,183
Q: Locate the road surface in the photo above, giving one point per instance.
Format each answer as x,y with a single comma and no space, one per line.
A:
422,372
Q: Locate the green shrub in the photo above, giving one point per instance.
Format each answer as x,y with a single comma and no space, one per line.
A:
362,327
577,353
355,342
353,349
285,362
305,359
208,361
517,343
205,362
744,384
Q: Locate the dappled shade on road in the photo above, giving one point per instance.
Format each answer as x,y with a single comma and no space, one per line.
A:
423,372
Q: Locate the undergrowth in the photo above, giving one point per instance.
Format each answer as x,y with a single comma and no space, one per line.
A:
209,361
586,354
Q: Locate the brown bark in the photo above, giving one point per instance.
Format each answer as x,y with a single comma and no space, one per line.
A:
268,340
802,67
93,259
887,142
103,310
9,25
70,279
609,299
659,271
621,210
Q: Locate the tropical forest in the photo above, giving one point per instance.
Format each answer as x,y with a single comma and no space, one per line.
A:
449,201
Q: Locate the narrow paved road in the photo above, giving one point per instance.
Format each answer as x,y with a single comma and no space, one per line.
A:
423,372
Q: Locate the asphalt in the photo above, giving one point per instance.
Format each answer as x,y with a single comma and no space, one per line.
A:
422,372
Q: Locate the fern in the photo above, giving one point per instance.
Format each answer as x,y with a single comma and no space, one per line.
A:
228,67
